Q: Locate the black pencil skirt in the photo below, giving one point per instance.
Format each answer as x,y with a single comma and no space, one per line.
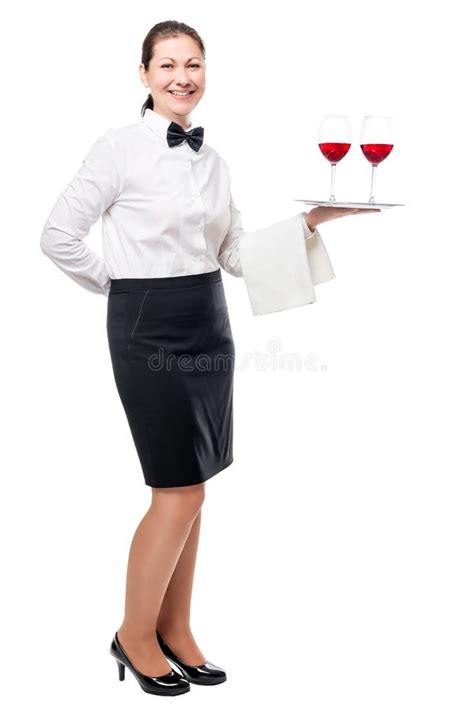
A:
173,354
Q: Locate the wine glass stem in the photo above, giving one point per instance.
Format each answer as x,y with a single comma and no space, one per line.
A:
332,198
372,185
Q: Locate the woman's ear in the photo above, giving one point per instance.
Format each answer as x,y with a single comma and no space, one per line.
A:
142,70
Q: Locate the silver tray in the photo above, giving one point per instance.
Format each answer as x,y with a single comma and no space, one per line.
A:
350,205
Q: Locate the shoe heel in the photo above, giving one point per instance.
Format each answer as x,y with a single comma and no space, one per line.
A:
121,669
170,683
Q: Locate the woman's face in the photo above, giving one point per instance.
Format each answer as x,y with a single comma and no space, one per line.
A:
177,65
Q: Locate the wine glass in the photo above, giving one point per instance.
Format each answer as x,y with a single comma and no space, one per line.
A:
334,142
376,142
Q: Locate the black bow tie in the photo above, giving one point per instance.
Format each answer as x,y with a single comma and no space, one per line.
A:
176,134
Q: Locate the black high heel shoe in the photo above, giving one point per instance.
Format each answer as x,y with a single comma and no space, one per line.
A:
171,683
206,673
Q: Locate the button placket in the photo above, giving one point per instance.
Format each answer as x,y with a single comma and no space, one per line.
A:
196,193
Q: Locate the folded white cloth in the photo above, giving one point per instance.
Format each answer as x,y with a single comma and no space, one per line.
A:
281,267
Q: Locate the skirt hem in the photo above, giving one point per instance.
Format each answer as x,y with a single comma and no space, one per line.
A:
201,480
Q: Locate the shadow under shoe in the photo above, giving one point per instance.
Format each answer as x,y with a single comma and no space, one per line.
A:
169,684
207,673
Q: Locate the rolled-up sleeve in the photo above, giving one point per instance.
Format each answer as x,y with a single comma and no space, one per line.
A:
92,190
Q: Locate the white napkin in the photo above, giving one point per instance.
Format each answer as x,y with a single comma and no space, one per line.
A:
280,267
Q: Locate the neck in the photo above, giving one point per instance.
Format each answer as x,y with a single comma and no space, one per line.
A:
182,121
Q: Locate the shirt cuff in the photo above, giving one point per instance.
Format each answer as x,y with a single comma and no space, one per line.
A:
307,231
107,287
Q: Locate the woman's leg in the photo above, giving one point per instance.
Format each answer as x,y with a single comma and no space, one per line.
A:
154,552
174,620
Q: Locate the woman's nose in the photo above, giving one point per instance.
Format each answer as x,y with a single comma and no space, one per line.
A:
182,78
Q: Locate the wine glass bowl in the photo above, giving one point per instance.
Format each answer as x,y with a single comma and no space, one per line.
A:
376,143
376,152
334,151
334,141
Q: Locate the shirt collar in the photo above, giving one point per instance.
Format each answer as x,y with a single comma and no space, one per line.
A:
158,123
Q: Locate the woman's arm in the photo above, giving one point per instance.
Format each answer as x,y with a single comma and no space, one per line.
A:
319,215
229,255
91,191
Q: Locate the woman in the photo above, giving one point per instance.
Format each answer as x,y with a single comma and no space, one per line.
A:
169,224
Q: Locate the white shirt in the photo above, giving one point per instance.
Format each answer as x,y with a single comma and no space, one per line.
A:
165,211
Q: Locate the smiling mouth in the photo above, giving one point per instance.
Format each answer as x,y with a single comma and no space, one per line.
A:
182,95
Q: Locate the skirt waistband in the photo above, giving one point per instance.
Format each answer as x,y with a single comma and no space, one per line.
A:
193,279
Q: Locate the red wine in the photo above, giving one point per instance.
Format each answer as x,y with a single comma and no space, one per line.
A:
376,152
334,151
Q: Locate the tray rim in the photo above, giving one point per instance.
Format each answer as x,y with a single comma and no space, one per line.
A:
348,205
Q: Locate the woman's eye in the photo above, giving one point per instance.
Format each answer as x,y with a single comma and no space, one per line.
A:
163,66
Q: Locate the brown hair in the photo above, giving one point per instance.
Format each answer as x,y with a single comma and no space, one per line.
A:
165,30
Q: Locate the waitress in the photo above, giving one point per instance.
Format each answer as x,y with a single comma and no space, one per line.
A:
169,224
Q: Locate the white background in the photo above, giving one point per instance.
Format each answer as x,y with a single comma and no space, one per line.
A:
335,559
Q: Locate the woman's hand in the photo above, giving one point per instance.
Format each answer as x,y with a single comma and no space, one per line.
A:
318,215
